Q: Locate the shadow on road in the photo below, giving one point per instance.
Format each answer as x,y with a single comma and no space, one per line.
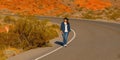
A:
118,56
59,43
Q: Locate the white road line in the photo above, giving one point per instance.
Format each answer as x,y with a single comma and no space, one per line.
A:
72,37
58,47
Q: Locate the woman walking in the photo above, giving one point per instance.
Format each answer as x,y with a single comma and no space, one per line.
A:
65,29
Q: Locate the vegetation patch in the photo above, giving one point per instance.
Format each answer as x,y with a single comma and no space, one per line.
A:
24,33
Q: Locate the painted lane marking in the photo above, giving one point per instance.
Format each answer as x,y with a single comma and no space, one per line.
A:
58,47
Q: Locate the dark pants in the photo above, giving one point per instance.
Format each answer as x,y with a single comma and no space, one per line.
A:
65,37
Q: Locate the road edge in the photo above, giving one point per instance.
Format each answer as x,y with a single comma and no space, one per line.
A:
58,47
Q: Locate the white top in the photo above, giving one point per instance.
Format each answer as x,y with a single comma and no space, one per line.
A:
66,29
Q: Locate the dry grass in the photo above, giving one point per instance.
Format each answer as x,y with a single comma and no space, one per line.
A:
2,56
26,33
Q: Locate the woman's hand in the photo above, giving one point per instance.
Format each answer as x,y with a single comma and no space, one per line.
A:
61,32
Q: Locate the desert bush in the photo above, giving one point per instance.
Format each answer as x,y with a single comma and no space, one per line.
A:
27,33
33,33
9,19
88,15
2,56
113,13
110,13
0,17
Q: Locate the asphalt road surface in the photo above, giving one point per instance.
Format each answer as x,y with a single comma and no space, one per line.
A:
93,41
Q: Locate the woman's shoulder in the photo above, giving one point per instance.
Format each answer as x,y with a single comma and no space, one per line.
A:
62,22
68,23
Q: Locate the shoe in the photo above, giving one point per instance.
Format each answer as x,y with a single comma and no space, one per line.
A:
65,45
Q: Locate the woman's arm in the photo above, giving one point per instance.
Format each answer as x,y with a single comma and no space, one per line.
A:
69,27
61,28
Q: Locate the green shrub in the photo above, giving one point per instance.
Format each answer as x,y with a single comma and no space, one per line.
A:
113,13
89,15
34,33
110,13
9,19
29,33
2,56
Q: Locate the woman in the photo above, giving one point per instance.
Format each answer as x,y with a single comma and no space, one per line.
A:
65,29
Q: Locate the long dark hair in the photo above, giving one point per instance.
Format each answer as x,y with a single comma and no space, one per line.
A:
66,19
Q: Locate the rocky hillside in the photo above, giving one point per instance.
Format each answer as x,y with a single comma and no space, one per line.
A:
71,8
48,7
40,7
116,3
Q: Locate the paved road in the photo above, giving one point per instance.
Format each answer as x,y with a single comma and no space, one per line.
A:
94,41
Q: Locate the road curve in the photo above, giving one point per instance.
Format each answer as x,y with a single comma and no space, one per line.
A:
94,41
